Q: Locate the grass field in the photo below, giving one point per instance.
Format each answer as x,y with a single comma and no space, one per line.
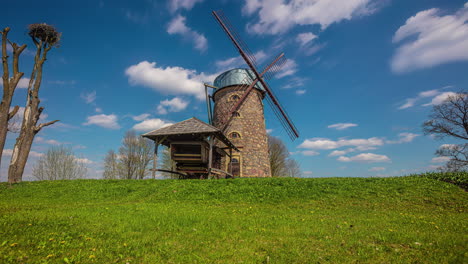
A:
323,220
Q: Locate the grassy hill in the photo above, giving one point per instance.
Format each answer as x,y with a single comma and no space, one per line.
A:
323,220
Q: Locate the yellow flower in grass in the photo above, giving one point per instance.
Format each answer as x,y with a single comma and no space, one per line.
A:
92,256
50,256
13,244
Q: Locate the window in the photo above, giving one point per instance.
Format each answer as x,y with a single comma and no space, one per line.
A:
234,97
235,135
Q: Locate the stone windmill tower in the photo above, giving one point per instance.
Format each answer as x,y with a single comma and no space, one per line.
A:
239,110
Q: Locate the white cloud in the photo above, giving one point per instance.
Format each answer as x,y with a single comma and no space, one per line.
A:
433,40
377,169
176,104
439,99
304,38
276,16
151,124
175,5
289,68
366,158
32,153
300,92
403,138
308,173
295,82
89,97
324,143
48,141
22,84
342,126
140,117
102,120
178,26
310,153
168,80
341,152
442,159
84,160
98,110
236,62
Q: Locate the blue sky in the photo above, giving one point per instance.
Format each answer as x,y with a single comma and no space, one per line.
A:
361,76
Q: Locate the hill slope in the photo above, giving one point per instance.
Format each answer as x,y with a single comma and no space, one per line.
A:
330,220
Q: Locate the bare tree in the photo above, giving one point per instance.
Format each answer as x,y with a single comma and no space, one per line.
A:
281,164
450,119
166,163
144,156
59,163
44,37
9,85
134,156
111,166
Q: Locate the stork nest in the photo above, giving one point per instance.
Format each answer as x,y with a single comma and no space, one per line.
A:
45,33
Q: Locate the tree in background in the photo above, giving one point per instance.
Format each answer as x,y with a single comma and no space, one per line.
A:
9,85
166,163
132,161
281,164
111,166
44,37
59,163
450,119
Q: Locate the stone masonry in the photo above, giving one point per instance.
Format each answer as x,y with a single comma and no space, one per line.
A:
250,125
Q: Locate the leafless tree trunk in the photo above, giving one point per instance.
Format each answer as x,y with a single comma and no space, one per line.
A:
144,156
44,37
278,155
128,155
59,163
292,168
166,163
111,166
9,86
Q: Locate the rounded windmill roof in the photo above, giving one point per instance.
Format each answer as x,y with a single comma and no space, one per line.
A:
236,77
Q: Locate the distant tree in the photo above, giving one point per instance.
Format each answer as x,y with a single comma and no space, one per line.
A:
59,163
111,166
133,159
281,164
450,119
44,37
9,85
166,163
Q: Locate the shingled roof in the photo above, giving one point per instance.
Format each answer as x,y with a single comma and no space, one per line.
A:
187,127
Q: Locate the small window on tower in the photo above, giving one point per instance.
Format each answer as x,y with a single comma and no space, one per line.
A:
235,97
236,114
234,135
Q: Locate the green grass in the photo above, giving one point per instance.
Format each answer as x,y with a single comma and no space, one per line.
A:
324,220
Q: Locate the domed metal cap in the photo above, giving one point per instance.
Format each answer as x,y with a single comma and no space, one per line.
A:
237,76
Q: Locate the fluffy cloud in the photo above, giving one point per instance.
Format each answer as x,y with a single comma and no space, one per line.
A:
174,105
102,120
410,102
48,141
439,99
432,39
342,126
440,159
175,5
304,38
403,138
365,158
168,80
151,124
89,97
300,92
84,160
178,26
324,143
276,16
341,152
32,153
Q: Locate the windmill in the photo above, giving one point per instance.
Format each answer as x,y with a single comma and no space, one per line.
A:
238,107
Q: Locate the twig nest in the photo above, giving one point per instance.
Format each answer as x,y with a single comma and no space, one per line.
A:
44,32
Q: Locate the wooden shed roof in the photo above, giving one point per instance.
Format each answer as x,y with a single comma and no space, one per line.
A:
190,126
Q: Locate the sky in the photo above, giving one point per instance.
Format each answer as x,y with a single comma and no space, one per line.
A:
361,76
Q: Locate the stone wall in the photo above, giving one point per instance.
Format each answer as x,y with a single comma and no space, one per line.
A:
250,125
